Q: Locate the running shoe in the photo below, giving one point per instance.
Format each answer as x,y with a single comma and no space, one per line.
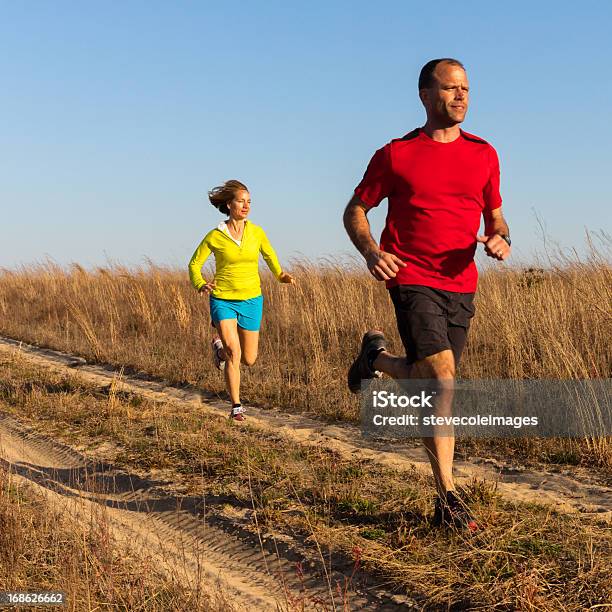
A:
453,512
237,413
361,370
217,347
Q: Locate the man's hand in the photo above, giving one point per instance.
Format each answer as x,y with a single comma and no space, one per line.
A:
495,246
286,278
383,266
208,288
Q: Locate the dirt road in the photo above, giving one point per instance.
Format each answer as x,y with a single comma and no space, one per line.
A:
565,491
197,551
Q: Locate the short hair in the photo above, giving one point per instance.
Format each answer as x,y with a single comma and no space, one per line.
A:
222,195
426,76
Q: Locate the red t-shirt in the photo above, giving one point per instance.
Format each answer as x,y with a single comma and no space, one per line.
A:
437,193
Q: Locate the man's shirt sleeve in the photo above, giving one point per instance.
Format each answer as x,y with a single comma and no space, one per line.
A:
376,183
492,197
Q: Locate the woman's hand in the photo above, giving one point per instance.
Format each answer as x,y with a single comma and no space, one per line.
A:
208,288
286,278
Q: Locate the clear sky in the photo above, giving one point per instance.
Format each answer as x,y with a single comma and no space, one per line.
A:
119,116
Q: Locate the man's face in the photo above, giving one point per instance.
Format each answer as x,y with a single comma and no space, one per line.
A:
447,99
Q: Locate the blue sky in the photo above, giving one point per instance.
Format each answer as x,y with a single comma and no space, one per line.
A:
119,116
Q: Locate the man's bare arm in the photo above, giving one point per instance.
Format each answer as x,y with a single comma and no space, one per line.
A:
495,228
358,227
383,266
496,224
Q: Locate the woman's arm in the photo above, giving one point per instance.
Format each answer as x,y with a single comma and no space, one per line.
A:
195,264
269,255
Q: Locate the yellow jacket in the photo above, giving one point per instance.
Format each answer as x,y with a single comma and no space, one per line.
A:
237,271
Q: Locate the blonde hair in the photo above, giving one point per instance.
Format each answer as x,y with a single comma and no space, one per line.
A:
221,196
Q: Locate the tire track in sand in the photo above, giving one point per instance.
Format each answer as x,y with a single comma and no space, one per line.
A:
198,552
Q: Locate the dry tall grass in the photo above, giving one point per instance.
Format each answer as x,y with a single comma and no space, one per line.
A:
552,322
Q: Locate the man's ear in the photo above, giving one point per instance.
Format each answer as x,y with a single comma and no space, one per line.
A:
423,94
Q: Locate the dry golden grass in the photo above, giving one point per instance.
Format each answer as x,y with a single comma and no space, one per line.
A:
553,323
527,558
43,550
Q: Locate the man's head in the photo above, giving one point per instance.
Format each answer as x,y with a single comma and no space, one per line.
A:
443,89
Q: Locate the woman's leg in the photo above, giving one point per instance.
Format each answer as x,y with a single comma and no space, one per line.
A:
218,312
228,330
249,344
217,344
249,322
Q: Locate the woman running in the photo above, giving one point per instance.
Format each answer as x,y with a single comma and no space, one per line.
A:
236,302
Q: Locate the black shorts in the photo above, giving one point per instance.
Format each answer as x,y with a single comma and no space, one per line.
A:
431,320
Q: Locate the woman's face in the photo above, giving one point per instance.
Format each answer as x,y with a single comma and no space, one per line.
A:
240,206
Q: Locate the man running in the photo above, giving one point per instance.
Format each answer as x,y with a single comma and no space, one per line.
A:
439,180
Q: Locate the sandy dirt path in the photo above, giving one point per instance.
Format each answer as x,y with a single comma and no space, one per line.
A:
184,545
68,482
565,491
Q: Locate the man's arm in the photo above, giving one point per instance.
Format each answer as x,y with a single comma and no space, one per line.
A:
495,228
383,266
495,223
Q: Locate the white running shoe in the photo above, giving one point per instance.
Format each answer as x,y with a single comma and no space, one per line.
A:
237,413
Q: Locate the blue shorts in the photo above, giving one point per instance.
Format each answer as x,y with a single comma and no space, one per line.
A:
248,312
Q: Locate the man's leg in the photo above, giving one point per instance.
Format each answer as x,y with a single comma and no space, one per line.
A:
426,320
439,367
440,448
395,367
